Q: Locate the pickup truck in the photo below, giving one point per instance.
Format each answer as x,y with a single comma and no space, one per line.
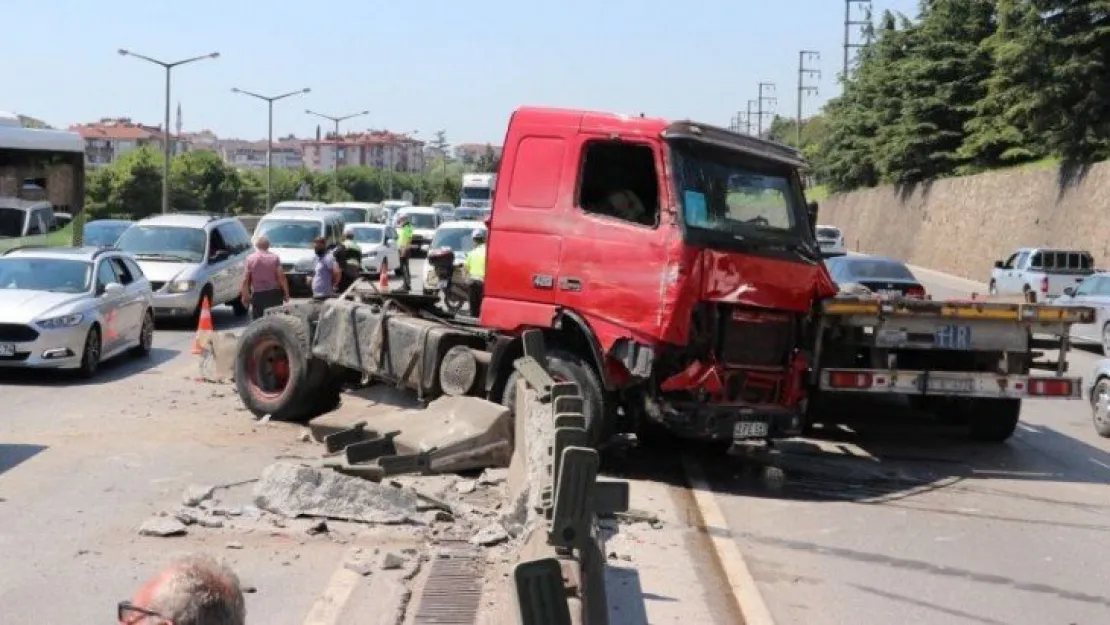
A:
691,300
1040,274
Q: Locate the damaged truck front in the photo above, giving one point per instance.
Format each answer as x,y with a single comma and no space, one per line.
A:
671,267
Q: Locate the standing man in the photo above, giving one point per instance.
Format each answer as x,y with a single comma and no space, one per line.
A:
325,273
349,255
404,242
264,285
476,272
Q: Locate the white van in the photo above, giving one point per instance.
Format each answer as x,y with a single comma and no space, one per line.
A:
291,234
424,220
358,212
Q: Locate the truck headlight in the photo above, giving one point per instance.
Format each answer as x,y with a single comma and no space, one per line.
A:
63,321
181,286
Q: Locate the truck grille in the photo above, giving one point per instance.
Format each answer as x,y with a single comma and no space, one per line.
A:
17,333
756,338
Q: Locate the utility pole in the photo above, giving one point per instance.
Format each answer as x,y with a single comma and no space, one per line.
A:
269,100
748,118
768,87
803,73
336,120
849,22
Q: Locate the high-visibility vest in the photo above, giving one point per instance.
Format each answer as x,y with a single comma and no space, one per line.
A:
476,263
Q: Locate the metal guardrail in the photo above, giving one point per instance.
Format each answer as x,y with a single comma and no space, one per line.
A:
560,578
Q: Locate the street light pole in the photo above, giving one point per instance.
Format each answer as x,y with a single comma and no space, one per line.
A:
336,121
166,152
269,100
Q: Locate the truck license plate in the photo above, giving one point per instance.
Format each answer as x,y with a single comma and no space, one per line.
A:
951,385
7,349
952,336
750,429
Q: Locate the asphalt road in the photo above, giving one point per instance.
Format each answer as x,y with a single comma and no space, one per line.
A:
891,519
83,464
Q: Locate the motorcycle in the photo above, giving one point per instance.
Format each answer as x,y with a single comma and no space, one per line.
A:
449,275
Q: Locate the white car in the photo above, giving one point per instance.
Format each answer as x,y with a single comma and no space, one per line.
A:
456,235
379,247
424,220
831,240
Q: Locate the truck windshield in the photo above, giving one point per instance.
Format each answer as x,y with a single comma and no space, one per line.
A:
475,193
728,192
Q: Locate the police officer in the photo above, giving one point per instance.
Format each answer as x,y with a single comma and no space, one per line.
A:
404,242
476,271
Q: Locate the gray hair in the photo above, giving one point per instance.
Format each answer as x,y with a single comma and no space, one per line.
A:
198,590
262,243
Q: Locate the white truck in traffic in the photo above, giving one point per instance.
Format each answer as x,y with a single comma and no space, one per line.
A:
477,191
1040,274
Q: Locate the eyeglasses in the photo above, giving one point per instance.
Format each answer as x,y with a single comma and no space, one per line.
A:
127,610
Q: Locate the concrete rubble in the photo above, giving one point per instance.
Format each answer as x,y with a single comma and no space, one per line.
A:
292,490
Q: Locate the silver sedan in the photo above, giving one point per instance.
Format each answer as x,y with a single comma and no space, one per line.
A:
71,308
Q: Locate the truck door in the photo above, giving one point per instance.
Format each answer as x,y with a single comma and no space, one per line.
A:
1012,277
612,261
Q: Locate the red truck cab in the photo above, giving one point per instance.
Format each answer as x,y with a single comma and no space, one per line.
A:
673,264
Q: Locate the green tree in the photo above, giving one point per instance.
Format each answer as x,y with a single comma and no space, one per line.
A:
200,181
136,184
488,161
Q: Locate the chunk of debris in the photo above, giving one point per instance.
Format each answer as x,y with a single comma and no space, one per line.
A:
319,527
466,487
493,477
227,510
292,490
187,516
210,522
197,493
637,516
390,560
490,535
306,436
362,566
234,545
162,527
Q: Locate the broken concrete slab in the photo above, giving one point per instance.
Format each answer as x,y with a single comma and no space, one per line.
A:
196,493
493,477
465,487
294,490
490,535
217,363
162,527
390,561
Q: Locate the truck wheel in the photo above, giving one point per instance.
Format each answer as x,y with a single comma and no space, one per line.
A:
992,288
565,367
323,392
273,367
1100,407
993,420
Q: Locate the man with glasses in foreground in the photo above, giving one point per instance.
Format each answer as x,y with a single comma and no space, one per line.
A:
195,590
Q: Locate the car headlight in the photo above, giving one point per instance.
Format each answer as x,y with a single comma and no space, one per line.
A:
181,286
63,321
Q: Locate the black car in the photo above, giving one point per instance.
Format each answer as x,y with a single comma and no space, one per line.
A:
884,276
104,232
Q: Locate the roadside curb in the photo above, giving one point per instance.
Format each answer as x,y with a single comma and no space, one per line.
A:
737,574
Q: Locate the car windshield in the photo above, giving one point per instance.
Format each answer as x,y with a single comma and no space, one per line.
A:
103,235
288,232
723,190
458,239
54,275
368,235
422,220
865,269
164,243
828,233
352,215
476,193
11,222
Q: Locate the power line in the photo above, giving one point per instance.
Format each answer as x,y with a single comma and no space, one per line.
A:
769,99
803,73
849,22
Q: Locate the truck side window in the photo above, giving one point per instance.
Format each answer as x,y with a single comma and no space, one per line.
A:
1010,262
619,180
1037,262
1020,262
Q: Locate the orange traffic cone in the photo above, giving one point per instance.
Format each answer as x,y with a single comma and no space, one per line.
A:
204,327
383,278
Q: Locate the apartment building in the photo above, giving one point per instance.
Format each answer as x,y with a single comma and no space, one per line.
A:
470,152
110,138
377,148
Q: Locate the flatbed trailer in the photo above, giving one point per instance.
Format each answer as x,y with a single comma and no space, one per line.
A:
973,358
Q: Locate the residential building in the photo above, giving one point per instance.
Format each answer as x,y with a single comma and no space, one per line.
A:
377,148
252,154
110,138
468,153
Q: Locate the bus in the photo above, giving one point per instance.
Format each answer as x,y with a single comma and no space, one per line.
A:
42,172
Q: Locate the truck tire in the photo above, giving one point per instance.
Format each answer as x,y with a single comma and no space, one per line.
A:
992,420
273,368
324,389
566,367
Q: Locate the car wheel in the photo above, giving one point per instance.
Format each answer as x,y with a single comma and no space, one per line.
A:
90,355
1106,339
146,337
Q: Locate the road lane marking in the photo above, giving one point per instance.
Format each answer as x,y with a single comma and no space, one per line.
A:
1028,428
329,605
1099,463
737,573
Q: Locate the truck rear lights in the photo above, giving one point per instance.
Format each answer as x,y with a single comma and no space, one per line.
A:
850,379
1050,387
1044,285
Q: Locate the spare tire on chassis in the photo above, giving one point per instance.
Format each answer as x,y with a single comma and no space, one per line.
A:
276,375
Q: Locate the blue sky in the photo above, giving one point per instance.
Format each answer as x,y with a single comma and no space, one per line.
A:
457,65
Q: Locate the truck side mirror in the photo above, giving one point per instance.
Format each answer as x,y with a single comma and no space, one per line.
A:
999,264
